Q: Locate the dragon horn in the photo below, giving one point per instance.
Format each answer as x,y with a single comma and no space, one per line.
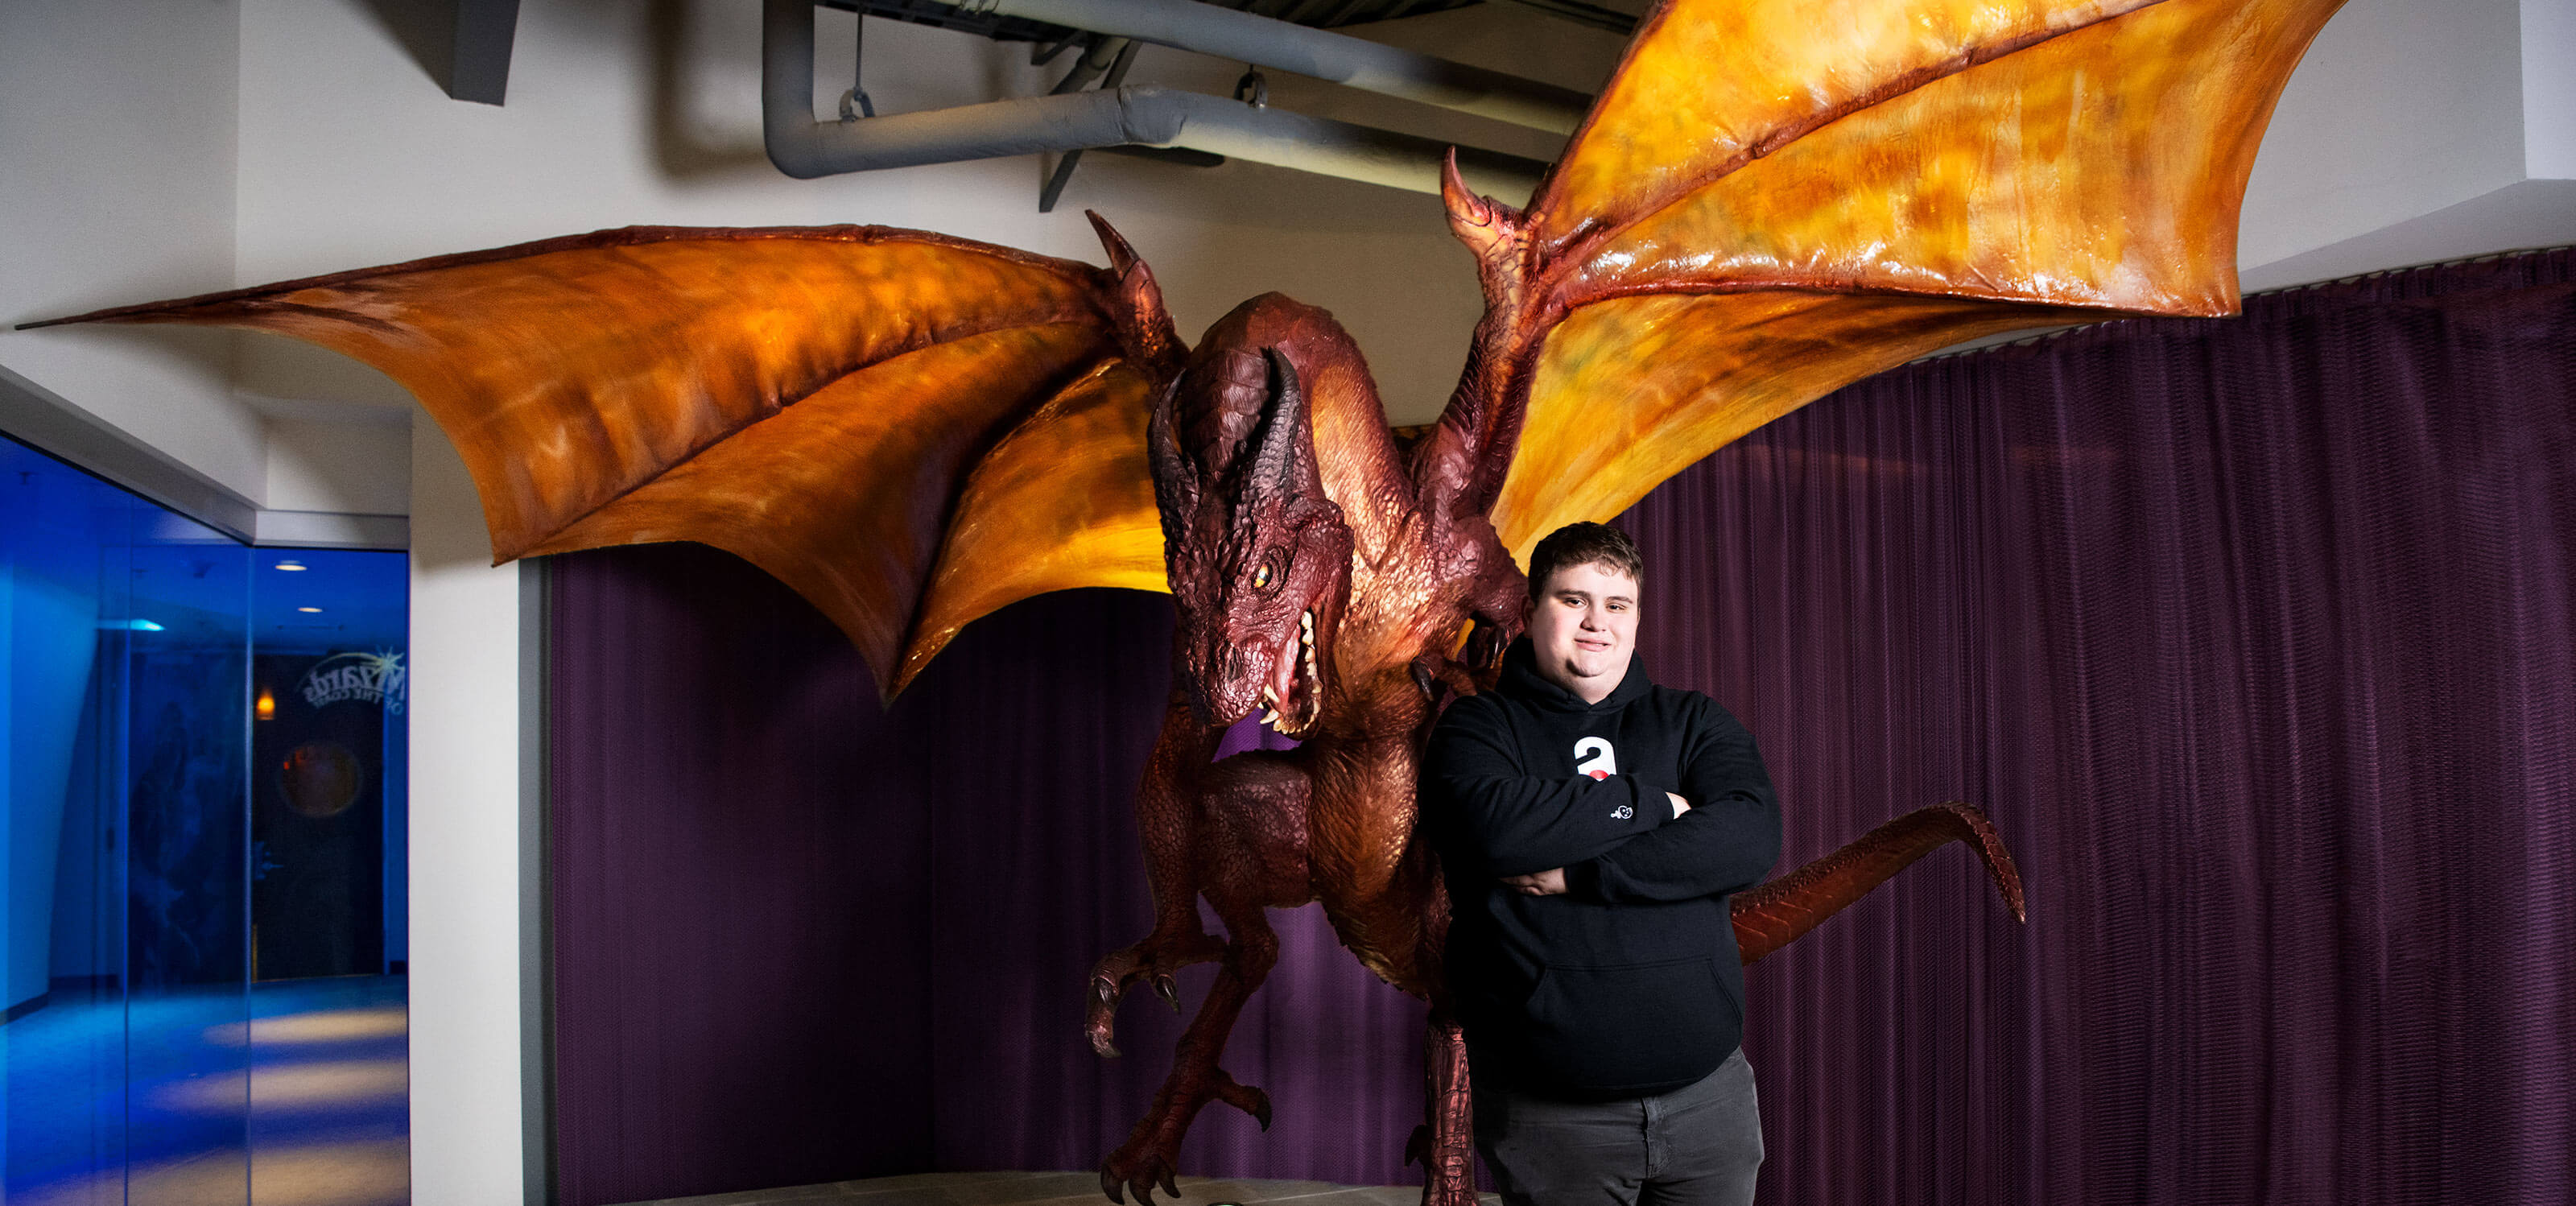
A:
1121,256
1275,460
1176,481
1144,326
1773,915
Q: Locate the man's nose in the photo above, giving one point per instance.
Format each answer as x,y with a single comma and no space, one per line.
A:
1591,618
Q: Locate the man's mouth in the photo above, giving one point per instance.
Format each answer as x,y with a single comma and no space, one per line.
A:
1294,697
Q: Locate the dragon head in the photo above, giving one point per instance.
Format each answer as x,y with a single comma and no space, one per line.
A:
1259,558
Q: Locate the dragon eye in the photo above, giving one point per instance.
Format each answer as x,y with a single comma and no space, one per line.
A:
1261,578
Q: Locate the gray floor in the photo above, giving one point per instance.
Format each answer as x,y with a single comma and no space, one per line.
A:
1054,1189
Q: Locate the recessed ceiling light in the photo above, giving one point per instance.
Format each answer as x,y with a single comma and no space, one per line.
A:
292,567
310,610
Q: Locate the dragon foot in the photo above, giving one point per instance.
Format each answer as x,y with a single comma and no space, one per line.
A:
1150,1157
1152,961
1444,1182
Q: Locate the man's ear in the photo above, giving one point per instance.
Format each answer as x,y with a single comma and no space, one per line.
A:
1529,611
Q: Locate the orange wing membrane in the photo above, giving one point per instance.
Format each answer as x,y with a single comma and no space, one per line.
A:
817,401
1775,198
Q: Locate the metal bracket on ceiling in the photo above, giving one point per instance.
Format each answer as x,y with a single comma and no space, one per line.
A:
1253,89
855,103
1104,54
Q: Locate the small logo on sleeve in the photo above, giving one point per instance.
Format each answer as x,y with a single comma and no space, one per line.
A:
1603,761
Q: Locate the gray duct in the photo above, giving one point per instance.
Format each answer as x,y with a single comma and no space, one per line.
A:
805,148
1285,46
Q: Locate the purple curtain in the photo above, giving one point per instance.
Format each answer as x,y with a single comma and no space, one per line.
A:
800,938
2254,635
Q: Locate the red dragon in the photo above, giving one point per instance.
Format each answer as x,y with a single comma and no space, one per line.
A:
1770,199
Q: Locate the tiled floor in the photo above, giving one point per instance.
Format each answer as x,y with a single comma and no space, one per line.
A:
1055,1189
290,1094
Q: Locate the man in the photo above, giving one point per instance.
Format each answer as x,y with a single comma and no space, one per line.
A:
1590,826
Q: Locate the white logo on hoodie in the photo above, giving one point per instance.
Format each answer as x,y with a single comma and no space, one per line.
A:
1604,761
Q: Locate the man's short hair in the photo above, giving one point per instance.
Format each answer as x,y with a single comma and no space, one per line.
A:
1584,544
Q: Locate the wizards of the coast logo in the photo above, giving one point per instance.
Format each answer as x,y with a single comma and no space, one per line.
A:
376,678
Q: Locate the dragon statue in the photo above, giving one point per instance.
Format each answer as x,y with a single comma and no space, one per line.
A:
1770,199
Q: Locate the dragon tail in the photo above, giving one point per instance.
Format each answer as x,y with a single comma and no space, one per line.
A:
1771,916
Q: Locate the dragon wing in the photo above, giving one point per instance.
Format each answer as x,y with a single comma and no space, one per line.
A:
910,430
1775,198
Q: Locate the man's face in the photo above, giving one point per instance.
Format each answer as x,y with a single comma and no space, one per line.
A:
1582,626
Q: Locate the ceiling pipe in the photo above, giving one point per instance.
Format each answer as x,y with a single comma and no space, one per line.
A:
1286,46
805,148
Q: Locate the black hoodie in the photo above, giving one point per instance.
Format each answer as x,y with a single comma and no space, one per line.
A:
1629,984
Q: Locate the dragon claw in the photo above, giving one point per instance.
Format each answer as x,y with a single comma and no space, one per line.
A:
1151,961
1246,1098
1149,1158
1156,1172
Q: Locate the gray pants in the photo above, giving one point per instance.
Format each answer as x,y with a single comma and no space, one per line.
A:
1699,1145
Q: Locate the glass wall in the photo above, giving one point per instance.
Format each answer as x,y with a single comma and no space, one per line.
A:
203,948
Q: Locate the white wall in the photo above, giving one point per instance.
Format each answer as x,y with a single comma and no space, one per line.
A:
116,184
2549,89
327,462
2401,108
464,805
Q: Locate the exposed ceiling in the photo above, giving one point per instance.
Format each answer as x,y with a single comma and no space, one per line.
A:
1320,14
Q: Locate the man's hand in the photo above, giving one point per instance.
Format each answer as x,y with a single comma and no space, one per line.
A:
1680,805
1550,882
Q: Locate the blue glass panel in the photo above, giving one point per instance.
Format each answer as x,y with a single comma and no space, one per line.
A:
329,679
187,858
64,594
204,956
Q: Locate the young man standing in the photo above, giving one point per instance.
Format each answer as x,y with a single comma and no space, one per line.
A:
1590,826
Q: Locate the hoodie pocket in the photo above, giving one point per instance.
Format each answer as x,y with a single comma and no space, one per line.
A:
1607,1029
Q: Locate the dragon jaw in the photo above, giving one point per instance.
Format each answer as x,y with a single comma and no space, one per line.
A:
1293,700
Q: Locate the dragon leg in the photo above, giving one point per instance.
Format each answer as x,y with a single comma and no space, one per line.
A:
1165,820
1246,851
1445,1145
1151,1154
1771,916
